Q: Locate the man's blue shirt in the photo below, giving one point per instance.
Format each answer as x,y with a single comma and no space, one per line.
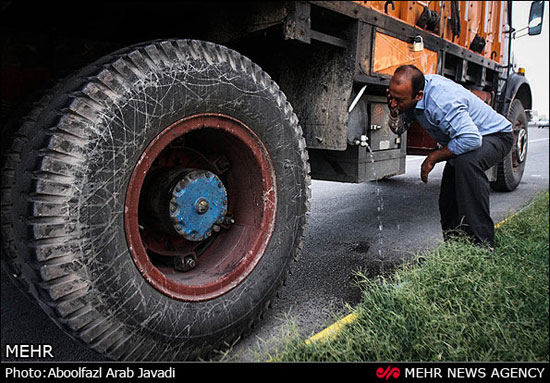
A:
454,116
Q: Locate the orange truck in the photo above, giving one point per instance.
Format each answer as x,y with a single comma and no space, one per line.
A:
157,156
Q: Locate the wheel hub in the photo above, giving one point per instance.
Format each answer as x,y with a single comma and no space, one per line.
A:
198,201
521,145
185,238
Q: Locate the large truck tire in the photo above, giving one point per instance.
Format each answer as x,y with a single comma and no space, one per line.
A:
510,170
156,200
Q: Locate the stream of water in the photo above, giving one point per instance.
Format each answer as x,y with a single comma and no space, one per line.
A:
380,200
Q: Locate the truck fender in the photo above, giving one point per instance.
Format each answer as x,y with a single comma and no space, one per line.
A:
517,87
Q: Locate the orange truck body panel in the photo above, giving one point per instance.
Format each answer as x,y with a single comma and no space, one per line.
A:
390,53
483,18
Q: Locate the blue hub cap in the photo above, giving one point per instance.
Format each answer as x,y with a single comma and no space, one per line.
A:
198,201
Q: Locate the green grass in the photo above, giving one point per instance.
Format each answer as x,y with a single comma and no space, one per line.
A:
459,303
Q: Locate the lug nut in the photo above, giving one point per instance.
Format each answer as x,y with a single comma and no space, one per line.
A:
190,262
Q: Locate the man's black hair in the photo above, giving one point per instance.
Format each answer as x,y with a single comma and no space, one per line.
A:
416,76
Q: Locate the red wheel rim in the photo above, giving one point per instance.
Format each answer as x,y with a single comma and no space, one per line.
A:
251,186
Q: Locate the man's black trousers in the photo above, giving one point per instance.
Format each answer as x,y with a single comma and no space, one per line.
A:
464,194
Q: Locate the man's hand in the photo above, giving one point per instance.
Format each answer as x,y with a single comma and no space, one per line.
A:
433,158
426,168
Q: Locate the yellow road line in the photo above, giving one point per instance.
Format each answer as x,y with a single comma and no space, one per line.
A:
504,221
333,330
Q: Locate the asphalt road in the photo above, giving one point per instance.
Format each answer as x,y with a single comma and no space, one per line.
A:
343,236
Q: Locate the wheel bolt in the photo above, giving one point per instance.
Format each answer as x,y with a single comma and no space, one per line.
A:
190,263
202,206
